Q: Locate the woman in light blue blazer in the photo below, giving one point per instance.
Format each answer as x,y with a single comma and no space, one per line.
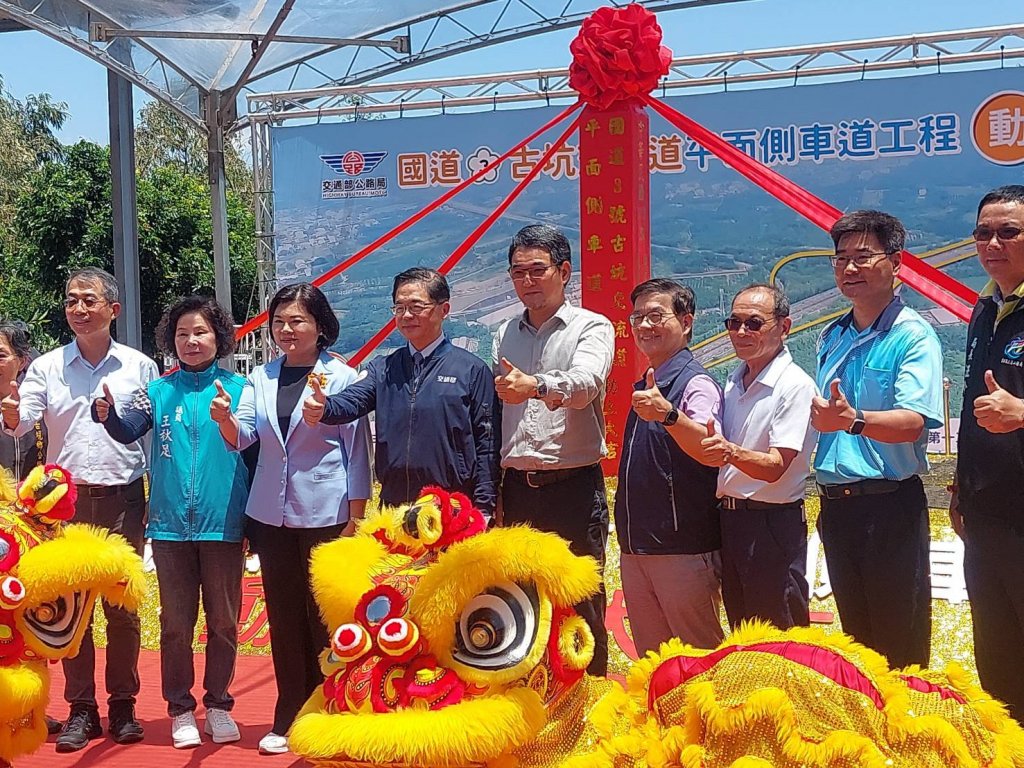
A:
310,485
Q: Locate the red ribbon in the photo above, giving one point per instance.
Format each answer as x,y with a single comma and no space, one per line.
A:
475,235
945,291
391,234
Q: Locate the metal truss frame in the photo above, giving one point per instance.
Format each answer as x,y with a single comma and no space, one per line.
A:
933,52
266,259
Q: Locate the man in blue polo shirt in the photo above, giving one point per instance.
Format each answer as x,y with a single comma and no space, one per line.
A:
880,378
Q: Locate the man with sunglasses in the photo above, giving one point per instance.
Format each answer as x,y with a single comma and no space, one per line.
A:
880,378
59,388
551,363
985,510
666,516
437,414
764,451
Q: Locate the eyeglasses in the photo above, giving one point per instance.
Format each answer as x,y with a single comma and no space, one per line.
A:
89,302
518,274
654,317
413,309
859,260
985,234
752,324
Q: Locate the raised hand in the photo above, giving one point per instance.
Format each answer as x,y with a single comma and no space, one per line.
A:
220,406
716,451
998,411
313,406
512,385
649,403
9,407
834,414
104,404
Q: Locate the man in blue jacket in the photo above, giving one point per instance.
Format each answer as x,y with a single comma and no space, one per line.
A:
437,412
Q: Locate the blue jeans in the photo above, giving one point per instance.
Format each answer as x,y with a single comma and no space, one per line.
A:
183,570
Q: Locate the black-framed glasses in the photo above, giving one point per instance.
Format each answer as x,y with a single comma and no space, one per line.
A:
859,260
89,302
752,324
654,317
413,309
1003,234
518,274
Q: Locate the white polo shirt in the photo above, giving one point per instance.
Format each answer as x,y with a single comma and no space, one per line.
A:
775,412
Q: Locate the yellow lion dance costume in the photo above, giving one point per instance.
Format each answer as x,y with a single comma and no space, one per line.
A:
50,578
452,646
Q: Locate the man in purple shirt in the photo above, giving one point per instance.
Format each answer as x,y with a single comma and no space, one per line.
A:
666,514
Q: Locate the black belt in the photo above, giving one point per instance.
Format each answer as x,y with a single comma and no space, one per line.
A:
538,478
750,505
860,488
105,491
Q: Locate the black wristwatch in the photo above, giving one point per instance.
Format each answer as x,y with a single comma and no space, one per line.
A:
542,389
671,417
858,423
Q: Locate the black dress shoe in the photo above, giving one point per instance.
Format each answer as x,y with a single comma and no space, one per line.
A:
82,725
122,725
53,727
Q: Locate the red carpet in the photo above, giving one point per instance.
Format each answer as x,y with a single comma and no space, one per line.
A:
254,694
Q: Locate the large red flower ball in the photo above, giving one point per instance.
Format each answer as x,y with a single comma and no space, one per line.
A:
618,56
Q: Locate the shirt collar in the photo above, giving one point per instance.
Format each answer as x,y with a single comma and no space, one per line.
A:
564,314
770,374
883,323
427,350
74,352
667,371
991,290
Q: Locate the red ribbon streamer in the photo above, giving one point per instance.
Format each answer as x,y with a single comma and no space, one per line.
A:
261,318
945,291
475,235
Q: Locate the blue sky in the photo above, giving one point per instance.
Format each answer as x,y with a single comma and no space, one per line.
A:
32,63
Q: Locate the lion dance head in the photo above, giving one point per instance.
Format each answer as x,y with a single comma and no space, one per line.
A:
451,645
51,575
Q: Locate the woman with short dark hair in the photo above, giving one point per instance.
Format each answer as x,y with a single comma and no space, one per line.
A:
310,485
198,490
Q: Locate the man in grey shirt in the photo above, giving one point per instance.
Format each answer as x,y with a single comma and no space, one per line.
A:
552,363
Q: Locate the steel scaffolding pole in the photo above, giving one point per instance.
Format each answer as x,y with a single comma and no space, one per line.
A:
218,198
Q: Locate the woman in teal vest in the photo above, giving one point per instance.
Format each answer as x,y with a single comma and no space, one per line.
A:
197,497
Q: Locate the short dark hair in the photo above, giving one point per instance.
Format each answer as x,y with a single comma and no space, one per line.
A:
96,275
886,228
433,281
18,338
219,319
1011,193
313,301
781,301
683,300
546,238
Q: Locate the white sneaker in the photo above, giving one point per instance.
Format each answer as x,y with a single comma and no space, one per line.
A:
185,732
273,744
221,727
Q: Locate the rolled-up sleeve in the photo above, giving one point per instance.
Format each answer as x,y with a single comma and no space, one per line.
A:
32,391
591,362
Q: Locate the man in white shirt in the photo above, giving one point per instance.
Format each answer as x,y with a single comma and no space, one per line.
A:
59,388
764,455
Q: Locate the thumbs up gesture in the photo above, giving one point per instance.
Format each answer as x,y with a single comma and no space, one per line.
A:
716,451
998,411
513,386
220,406
313,406
102,405
649,403
9,407
834,414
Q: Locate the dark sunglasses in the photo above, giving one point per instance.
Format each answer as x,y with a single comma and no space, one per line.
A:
752,324
984,234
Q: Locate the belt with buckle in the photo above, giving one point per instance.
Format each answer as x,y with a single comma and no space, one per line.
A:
538,478
104,491
750,505
860,488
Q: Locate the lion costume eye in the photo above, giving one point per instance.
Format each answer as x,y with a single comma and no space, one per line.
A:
498,627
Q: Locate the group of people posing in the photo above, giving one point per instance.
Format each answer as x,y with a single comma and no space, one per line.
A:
709,505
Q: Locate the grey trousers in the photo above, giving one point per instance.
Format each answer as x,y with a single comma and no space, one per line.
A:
121,512
184,569
673,596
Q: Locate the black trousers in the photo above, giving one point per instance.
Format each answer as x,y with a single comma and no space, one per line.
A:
764,557
876,548
122,512
297,635
994,568
576,508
